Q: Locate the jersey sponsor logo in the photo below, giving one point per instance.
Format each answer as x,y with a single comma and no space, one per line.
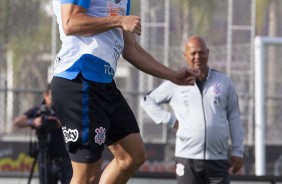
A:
114,8
217,88
117,50
114,11
180,169
109,70
71,135
100,135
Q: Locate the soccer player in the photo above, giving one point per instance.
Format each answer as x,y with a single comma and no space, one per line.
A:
93,112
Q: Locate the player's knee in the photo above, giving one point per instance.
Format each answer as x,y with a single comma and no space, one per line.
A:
85,179
141,158
87,175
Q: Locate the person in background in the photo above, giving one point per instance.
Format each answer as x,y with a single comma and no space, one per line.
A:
93,112
203,114
43,119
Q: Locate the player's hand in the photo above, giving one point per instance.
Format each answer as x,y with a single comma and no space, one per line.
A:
236,164
36,122
132,24
185,76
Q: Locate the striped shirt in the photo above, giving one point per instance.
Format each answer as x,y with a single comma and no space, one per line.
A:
94,56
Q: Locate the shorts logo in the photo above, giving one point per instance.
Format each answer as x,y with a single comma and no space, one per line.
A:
100,136
70,135
180,169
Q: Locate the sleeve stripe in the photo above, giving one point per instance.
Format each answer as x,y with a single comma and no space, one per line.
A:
84,3
128,7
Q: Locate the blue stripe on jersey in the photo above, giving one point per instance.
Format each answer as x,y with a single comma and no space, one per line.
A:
128,7
85,112
84,3
91,67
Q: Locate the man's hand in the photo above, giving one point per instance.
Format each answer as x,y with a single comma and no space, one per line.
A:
132,24
36,122
236,164
176,125
185,76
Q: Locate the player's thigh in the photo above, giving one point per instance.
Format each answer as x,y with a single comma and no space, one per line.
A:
130,146
122,120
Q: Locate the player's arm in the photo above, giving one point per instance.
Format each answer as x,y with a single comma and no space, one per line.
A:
142,60
75,21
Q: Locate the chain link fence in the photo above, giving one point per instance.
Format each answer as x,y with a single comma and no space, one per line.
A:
29,40
273,88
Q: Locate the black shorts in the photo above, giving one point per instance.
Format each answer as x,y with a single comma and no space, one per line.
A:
191,171
92,114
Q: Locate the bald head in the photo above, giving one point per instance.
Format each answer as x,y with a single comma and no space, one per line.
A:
195,41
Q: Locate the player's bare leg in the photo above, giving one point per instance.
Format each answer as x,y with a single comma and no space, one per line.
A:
86,173
129,155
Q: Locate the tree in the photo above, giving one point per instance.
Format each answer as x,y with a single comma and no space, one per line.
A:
196,17
271,62
26,31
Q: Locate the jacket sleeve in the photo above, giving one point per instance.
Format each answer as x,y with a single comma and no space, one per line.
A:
235,124
151,104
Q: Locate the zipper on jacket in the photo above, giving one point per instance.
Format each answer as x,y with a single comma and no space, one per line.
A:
205,122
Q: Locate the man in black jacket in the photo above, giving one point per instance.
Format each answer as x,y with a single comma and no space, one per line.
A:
54,162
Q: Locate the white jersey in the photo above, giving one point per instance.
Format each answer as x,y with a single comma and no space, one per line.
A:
94,56
205,119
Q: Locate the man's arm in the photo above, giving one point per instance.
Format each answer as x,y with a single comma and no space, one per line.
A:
236,128
22,121
75,21
151,104
142,60
236,164
236,131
